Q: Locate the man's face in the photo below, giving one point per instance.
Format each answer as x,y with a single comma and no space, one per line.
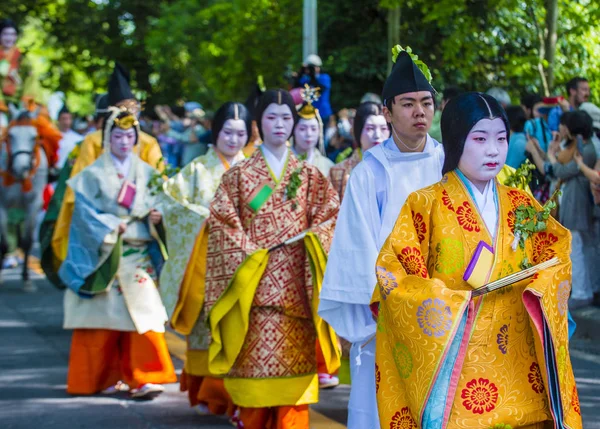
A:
65,121
411,115
582,93
8,38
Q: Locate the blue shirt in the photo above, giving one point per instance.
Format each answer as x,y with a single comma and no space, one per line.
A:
540,130
516,150
323,103
554,117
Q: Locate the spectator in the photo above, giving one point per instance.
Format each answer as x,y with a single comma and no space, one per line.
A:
537,124
518,140
578,91
575,210
435,131
69,137
500,95
312,75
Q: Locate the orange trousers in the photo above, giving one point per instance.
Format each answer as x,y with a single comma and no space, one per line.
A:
321,365
294,417
99,358
209,391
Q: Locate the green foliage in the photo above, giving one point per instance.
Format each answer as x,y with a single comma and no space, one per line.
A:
522,176
292,187
155,184
213,50
420,64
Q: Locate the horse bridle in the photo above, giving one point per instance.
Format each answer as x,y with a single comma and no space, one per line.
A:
13,155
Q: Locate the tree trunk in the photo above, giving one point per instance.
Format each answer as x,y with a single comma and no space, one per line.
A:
393,33
550,45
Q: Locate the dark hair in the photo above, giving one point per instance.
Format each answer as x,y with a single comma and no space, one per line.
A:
366,109
578,122
458,119
530,100
8,23
451,92
114,125
574,83
277,96
228,111
516,118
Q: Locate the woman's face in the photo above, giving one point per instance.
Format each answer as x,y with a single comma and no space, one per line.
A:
375,131
122,142
277,123
232,137
485,151
306,135
563,133
8,37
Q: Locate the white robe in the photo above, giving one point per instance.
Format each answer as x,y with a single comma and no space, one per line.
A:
66,145
376,191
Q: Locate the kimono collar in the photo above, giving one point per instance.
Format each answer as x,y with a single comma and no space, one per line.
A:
122,166
277,166
486,201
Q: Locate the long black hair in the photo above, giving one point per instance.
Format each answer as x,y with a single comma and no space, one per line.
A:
230,110
277,96
458,119
364,110
579,123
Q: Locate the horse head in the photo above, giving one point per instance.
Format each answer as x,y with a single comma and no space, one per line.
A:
22,136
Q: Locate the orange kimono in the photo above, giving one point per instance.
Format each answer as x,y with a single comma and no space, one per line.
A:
340,173
266,357
447,360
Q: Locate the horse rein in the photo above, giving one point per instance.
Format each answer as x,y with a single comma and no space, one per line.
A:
34,158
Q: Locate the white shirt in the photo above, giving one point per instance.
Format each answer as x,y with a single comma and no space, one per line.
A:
276,165
69,139
122,166
486,204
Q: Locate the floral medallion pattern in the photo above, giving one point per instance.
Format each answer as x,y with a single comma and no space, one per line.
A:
403,360
403,420
466,218
561,362
446,201
535,378
420,226
542,247
387,282
575,401
434,317
377,378
450,256
480,396
412,261
502,339
518,199
563,293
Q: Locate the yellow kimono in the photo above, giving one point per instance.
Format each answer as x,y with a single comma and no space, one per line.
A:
445,360
268,358
90,150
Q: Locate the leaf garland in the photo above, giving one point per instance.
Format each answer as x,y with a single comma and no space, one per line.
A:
522,176
420,64
291,190
155,184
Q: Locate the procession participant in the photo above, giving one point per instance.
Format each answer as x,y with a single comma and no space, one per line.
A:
445,357
376,190
10,63
370,129
261,291
308,141
185,207
119,94
69,137
112,302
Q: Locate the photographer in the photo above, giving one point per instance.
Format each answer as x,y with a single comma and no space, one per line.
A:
312,75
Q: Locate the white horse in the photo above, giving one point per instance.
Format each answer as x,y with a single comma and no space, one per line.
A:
23,163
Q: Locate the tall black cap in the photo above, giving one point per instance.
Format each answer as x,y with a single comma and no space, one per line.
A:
118,86
405,77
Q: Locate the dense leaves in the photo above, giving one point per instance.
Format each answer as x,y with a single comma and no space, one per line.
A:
213,50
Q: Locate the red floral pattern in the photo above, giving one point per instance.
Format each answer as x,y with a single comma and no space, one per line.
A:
447,201
403,420
420,226
575,401
542,247
412,261
518,199
377,378
535,378
466,218
511,220
480,396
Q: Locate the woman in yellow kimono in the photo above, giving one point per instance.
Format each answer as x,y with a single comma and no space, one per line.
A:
184,204
370,129
447,358
112,302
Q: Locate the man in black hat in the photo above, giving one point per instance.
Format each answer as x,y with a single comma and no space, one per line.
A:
119,94
377,189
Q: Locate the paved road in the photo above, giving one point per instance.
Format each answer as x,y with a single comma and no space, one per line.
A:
33,362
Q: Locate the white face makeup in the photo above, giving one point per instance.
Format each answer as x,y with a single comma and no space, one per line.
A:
8,38
306,135
277,124
375,131
232,137
122,142
485,151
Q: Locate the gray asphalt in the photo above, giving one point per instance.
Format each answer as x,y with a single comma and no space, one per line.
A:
33,363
